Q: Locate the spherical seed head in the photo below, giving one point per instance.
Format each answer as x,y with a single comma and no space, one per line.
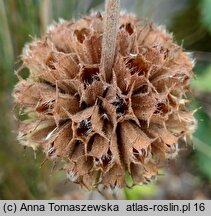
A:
103,128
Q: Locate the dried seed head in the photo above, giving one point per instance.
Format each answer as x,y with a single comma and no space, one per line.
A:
129,121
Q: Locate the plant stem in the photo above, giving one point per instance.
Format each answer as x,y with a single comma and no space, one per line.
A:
111,21
5,35
45,14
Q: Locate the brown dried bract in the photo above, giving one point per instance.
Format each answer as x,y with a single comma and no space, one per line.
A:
104,127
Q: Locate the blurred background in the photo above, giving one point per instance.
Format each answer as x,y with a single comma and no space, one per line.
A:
21,173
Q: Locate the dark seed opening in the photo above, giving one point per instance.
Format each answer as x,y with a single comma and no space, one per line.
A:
129,28
46,107
89,75
81,34
121,106
106,159
162,108
84,127
137,65
50,62
144,89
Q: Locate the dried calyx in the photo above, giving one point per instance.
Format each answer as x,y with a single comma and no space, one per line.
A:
105,112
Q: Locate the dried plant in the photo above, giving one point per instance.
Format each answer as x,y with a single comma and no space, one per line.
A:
105,95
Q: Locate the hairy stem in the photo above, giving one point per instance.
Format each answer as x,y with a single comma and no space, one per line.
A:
111,21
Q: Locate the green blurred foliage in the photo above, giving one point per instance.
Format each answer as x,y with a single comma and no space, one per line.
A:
140,192
21,176
205,13
203,143
203,81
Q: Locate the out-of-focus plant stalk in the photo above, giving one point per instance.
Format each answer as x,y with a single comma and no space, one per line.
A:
7,47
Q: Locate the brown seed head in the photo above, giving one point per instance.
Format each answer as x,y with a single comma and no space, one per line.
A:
103,128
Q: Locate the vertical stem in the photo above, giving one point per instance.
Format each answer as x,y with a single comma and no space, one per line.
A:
6,37
111,21
45,14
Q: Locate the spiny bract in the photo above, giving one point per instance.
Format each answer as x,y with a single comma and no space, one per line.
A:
103,129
